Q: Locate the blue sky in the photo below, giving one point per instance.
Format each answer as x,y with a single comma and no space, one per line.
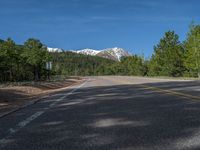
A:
135,25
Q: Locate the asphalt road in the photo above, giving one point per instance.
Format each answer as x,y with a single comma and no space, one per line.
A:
109,113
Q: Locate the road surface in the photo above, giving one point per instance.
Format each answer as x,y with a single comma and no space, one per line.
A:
109,113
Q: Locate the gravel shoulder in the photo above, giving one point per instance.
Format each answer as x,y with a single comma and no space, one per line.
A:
14,97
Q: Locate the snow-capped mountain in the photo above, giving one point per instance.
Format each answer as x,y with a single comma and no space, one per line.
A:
88,52
110,53
54,49
116,52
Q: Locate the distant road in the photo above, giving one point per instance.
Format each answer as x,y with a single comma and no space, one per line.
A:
109,113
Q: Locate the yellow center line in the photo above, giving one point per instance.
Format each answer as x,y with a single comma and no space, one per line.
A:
188,96
169,92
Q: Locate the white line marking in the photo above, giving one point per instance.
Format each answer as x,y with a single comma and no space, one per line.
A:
71,92
25,122
28,120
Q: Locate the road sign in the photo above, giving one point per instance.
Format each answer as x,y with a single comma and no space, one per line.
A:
49,65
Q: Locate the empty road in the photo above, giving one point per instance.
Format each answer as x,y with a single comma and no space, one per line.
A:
109,113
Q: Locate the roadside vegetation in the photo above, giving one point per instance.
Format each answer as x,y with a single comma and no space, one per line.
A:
171,58
175,59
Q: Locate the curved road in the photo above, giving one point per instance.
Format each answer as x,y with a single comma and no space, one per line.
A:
109,113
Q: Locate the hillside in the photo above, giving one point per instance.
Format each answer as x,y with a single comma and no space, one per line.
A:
110,53
70,63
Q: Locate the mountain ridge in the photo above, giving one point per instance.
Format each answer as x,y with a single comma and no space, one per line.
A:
109,53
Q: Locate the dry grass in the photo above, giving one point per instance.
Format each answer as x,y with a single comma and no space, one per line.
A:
15,96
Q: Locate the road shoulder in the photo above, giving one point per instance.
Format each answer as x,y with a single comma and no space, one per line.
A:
14,100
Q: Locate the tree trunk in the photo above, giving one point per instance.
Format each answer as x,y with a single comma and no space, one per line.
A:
11,74
36,73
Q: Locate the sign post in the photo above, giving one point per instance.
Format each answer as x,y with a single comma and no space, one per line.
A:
49,68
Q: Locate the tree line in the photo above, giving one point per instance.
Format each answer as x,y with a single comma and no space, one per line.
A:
73,64
22,62
174,58
170,58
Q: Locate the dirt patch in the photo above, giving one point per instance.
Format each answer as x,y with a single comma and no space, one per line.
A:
15,96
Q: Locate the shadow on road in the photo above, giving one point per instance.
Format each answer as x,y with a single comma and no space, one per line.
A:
118,117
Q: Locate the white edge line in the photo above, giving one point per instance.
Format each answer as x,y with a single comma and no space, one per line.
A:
28,120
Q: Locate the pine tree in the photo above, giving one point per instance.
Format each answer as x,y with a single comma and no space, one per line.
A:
167,59
36,55
192,48
8,57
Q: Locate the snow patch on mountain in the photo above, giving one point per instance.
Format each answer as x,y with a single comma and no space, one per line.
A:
109,53
112,53
54,49
117,52
88,51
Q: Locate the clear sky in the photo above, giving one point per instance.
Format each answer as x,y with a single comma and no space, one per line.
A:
135,25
